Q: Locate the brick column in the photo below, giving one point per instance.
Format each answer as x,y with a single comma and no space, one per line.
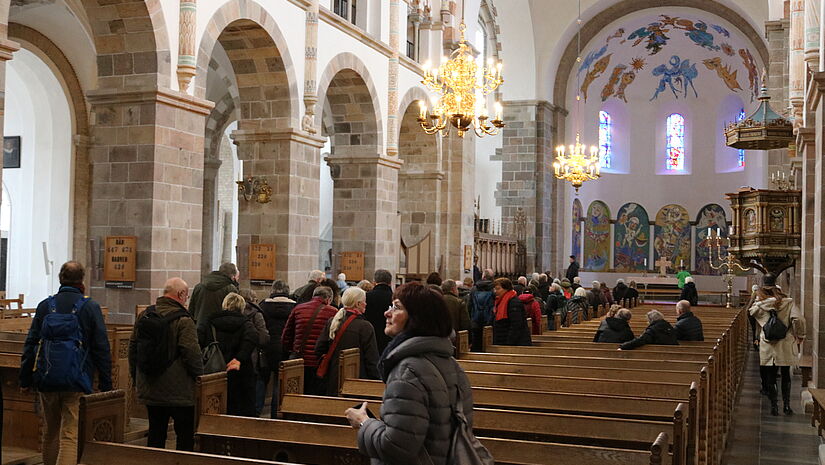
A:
210,210
816,326
365,209
147,178
290,162
527,178
804,270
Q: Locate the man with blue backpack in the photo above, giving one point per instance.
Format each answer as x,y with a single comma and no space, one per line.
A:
66,344
480,303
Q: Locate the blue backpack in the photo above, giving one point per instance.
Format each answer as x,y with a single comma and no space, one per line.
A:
61,357
481,307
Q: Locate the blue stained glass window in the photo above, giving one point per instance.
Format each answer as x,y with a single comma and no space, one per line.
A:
741,159
605,139
675,148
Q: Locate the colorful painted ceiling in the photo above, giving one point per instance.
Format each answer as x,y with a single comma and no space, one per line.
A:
656,57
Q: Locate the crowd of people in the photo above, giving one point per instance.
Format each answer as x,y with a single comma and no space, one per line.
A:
405,336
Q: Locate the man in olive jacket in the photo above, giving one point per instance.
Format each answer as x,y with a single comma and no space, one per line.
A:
207,297
172,393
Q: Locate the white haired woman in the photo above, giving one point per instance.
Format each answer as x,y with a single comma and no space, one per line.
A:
347,330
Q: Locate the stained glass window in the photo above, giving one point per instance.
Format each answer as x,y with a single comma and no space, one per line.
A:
605,139
741,159
675,149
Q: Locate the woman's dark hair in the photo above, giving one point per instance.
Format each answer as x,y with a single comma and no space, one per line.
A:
307,295
426,309
434,278
503,283
336,291
436,288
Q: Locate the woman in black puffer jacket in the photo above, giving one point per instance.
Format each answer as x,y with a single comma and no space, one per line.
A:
616,327
276,310
423,380
237,338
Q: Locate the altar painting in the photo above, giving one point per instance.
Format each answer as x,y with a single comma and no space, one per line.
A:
577,228
597,237
710,216
631,238
672,237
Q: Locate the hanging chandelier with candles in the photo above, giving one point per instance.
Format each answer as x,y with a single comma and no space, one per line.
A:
577,166
461,102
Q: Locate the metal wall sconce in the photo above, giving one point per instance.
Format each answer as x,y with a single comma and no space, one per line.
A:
255,188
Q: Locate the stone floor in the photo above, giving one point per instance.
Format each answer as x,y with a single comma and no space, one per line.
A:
757,438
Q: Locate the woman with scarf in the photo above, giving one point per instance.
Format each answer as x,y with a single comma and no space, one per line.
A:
351,330
424,384
510,325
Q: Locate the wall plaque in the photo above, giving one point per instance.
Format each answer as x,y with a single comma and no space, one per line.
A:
262,264
468,258
352,265
120,262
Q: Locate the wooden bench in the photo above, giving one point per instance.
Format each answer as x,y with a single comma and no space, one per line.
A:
818,415
103,453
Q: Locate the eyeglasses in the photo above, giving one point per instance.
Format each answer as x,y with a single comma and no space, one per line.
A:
394,307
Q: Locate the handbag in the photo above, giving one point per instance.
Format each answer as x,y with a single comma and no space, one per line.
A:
465,448
212,356
300,353
323,367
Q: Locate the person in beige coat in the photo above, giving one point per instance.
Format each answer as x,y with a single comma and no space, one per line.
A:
782,354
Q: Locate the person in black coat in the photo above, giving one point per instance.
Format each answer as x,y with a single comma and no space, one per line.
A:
237,339
379,299
688,326
615,328
689,292
572,270
619,291
510,325
276,310
659,331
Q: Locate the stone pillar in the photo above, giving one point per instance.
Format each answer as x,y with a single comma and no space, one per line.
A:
816,326
365,209
458,209
147,165
210,212
392,80
528,181
7,48
81,201
290,162
812,34
804,270
187,27
310,68
796,70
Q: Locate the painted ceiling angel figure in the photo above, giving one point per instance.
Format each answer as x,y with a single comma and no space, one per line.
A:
654,34
678,77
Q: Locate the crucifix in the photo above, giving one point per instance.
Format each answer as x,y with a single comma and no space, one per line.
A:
663,263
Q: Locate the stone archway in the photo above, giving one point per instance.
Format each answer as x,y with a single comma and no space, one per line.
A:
365,180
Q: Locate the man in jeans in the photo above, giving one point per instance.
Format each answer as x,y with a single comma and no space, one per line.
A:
60,408
171,394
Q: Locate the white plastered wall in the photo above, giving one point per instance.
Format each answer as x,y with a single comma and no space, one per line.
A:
40,191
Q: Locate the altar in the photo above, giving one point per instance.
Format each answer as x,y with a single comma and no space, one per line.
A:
654,280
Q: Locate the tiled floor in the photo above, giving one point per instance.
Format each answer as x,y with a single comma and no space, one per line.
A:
757,438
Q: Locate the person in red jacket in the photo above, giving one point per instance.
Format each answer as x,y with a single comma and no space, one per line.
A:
532,309
302,330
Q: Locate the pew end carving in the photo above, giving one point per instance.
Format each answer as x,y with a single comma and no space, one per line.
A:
210,395
462,343
291,374
102,417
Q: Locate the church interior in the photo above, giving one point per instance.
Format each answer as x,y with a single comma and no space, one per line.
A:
152,139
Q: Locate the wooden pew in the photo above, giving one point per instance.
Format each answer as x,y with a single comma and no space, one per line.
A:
533,426
102,453
326,444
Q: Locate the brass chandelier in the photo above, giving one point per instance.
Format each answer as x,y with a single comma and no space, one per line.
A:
577,166
457,84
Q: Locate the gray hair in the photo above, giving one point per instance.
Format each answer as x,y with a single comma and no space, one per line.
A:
342,277
280,287
624,314
654,315
382,277
555,287
448,286
577,280
596,285
535,276
619,281
488,274
683,305
522,280
365,284
580,292
689,279
323,292
228,269
352,296
316,275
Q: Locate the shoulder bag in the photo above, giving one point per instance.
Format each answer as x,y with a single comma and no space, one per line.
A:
307,330
323,367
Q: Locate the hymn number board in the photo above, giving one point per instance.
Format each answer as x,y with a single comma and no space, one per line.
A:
120,262
352,265
262,264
